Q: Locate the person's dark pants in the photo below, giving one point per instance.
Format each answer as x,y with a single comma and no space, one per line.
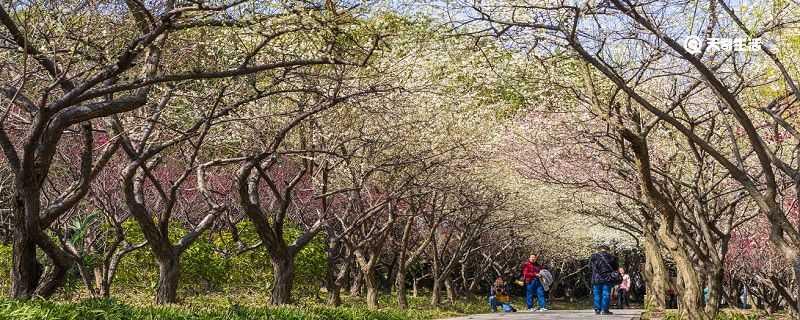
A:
602,296
622,298
534,288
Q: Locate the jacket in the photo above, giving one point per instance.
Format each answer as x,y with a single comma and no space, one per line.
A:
603,264
530,271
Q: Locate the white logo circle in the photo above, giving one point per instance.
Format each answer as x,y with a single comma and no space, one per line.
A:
693,44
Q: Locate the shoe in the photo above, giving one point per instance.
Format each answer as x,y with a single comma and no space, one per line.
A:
542,309
597,312
607,313
530,309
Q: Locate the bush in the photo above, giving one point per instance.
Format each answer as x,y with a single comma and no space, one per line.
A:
205,269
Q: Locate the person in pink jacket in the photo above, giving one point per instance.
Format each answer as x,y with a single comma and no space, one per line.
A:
624,287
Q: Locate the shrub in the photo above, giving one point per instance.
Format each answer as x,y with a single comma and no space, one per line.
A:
205,269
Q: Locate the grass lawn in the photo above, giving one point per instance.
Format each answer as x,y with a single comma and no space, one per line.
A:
243,306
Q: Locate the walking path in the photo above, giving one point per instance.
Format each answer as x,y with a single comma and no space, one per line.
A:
626,314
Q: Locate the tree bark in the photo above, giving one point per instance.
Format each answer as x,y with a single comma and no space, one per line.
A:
655,274
692,293
26,270
415,292
334,299
283,268
400,282
372,288
436,296
451,292
168,277
714,281
355,288
796,310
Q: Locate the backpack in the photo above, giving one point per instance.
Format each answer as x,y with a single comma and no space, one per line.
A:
546,278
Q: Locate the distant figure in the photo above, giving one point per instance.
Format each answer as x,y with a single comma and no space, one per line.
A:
672,299
624,288
499,296
604,267
533,285
743,297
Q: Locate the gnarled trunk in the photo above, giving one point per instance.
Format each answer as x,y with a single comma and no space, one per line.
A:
51,281
168,277
26,270
436,295
372,288
355,288
283,269
691,294
400,282
714,280
655,274
334,298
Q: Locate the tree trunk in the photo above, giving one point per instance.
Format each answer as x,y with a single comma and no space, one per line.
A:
714,281
334,299
692,293
355,288
168,277
416,292
51,281
400,282
655,274
372,288
283,269
26,270
451,292
436,297
394,268
100,281
796,310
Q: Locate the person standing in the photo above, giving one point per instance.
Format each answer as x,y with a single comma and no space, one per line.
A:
603,266
624,288
533,284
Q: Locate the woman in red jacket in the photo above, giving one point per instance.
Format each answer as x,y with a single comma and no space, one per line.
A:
533,285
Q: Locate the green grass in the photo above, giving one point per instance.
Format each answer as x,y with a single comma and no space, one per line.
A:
113,310
235,307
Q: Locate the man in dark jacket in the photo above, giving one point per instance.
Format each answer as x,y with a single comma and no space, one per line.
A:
603,264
